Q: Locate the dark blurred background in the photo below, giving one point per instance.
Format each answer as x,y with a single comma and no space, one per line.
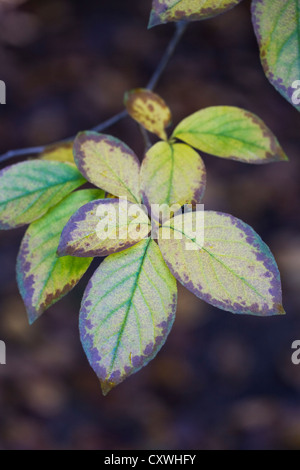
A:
221,381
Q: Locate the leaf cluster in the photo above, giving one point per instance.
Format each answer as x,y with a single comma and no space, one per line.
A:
129,304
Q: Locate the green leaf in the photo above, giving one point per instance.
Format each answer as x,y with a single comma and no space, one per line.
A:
277,27
103,227
230,132
172,174
42,277
59,153
127,312
108,163
164,11
230,267
149,110
29,189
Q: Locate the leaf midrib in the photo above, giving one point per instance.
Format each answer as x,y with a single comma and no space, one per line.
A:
43,189
182,136
171,174
129,306
242,279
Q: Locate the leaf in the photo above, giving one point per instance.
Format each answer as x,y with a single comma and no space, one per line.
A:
277,28
123,224
29,189
59,153
127,312
230,132
233,269
164,11
108,163
149,110
172,174
42,277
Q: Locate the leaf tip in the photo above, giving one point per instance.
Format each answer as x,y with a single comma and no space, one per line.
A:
32,316
280,154
154,20
284,157
163,135
279,310
106,386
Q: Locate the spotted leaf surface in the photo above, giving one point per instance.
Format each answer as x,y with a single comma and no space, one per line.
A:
103,227
172,174
277,27
127,312
164,11
233,269
29,189
42,277
59,153
108,163
232,133
149,110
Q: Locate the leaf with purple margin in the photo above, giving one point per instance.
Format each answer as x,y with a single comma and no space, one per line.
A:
103,227
277,28
127,312
108,163
164,11
29,189
42,277
172,174
231,268
230,132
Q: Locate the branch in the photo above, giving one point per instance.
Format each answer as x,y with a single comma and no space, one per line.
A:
20,152
180,28
110,122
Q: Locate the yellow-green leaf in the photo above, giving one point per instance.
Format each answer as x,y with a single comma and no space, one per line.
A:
43,278
232,133
164,11
127,312
277,27
103,227
149,110
227,265
172,174
108,163
29,189
59,153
